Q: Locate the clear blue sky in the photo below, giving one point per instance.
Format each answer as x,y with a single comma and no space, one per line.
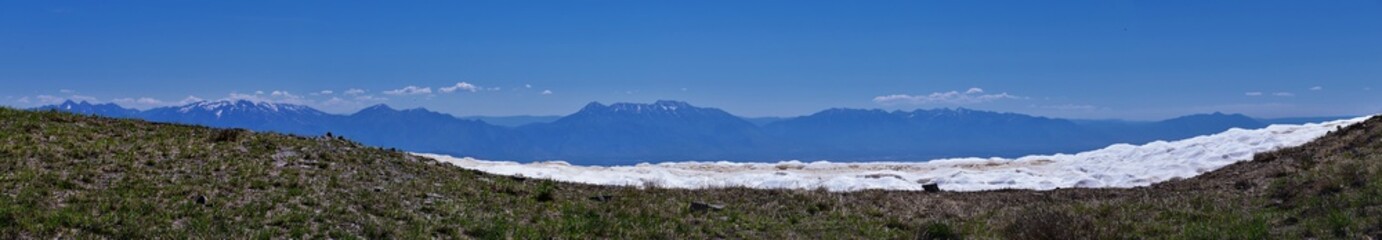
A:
1083,59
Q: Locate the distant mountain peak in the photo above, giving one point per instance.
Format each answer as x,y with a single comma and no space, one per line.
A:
658,111
671,103
378,107
593,106
85,107
658,107
69,104
382,110
220,107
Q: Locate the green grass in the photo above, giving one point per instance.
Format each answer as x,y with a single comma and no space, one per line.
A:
71,176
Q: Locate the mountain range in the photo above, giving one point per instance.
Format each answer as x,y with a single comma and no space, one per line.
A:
629,133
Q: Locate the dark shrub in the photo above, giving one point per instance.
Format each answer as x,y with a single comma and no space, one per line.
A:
227,135
938,231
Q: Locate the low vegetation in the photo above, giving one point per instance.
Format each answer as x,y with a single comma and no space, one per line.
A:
72,176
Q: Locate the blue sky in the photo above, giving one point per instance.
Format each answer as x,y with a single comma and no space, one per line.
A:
1081,59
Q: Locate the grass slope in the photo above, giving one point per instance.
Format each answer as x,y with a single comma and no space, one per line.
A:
71,176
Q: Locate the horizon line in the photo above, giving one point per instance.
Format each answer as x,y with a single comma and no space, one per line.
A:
269,101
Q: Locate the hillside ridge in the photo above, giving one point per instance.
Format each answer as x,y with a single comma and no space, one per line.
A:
73,176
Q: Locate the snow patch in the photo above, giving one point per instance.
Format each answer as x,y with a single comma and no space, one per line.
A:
1116,166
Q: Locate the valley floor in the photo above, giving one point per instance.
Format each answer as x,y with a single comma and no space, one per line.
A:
71,176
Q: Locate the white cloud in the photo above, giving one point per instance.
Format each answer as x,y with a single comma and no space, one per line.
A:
66,91
190,99
1316,88
1277,94
41,100
546,92
410,90
276,96
284,94
336,101
354,91
971,96
370,98
527,86
322,92
148,101
49,99
128,102
465,86
80,98
241,96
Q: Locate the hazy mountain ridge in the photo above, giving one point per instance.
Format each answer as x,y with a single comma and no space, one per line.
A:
628,133
513,121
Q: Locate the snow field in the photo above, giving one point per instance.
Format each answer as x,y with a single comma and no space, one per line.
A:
1116,166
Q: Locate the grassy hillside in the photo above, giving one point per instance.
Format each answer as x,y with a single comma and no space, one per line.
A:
71,176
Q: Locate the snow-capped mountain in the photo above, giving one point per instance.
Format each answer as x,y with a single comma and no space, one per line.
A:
246,107
262,116
661,108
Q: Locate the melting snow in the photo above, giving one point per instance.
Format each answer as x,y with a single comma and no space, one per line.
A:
1118,166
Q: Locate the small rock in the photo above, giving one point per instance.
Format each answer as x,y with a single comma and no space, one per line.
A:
284,155
700,206
1243,185
931,187
602,198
